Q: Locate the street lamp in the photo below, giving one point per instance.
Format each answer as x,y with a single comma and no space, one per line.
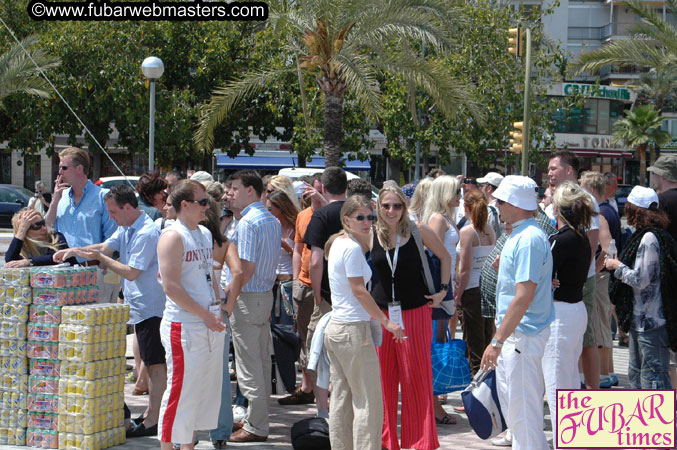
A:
152,69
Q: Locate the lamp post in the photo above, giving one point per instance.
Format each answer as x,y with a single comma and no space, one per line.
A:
152,69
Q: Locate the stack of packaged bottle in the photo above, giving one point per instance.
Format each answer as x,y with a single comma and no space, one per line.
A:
52,288
91,383
15,298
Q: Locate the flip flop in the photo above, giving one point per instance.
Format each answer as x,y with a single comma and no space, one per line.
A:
459,409
446,420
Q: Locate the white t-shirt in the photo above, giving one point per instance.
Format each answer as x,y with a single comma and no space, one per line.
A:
347,260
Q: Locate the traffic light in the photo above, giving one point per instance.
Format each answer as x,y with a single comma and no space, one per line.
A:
515,41
517,141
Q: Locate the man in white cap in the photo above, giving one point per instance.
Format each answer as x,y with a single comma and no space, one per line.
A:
524,310
488,185
202,177
664,180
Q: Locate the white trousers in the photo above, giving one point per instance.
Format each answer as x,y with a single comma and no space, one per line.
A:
520,384
192,399
560,361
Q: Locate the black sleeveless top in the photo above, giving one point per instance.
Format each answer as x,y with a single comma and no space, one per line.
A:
409,284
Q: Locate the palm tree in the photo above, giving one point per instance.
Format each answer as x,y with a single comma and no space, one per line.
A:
653,43
639,129
657,86
19,74
346,44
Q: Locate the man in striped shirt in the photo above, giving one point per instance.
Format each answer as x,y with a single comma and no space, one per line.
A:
258,240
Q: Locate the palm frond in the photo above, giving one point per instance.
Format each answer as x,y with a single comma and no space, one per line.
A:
361,81
653,26
631,51
225,98
18,73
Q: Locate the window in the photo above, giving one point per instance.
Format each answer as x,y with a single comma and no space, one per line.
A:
596,117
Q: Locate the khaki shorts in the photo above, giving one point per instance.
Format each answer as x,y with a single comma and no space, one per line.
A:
304,305
589,301
602,315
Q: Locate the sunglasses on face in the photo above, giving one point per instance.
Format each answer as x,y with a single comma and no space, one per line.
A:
63,167
370,218
37,225
469,181
270,191
393,206
202,201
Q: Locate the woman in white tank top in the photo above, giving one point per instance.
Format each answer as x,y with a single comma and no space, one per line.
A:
476,242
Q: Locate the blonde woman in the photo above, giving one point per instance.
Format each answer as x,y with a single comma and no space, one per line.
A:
33,244
417,202
570,246
356,409
284,184
398,266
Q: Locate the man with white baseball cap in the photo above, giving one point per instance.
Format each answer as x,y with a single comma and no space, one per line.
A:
488,185
524,310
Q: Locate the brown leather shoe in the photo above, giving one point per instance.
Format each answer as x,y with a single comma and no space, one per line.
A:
237,426
298,397
243,435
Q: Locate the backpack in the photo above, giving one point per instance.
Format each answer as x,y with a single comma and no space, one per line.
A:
310,434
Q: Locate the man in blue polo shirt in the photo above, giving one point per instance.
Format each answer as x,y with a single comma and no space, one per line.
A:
136,239
258,243
81,215
524,310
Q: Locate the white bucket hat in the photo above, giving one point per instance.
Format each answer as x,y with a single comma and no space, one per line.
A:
643,197
202,176
492,178
518,191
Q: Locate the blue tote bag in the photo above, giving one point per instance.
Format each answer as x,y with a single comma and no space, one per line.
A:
451,370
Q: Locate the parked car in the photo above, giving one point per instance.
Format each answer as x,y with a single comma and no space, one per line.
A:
622,196
297,172
12,199
109,182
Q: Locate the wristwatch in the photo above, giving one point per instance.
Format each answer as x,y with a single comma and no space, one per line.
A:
496,343
444,287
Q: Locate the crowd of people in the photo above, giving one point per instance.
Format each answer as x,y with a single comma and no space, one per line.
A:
536,287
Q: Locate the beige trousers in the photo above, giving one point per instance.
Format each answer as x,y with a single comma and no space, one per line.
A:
253,346
356,408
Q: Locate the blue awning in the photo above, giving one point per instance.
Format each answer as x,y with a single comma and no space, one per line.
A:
280,162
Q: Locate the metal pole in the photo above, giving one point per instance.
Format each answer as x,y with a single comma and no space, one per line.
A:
151,129
527,86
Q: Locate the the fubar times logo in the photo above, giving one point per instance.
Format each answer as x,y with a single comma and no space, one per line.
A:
616,418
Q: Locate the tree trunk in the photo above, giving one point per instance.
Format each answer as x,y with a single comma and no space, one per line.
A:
333,128
301,160
641,150
395,169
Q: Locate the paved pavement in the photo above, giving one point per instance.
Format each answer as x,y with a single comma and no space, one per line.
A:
459,435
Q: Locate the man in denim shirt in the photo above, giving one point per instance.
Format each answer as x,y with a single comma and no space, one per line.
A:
81,215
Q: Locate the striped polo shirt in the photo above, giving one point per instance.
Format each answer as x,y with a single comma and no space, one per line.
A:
258,240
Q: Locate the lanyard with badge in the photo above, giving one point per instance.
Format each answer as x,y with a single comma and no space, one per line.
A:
214,306
394,307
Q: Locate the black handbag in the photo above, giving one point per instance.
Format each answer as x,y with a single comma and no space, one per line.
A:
310,434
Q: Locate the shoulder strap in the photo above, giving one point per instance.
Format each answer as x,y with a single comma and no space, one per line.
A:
427,276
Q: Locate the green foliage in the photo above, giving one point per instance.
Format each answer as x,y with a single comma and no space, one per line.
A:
641,128
18,74
498,77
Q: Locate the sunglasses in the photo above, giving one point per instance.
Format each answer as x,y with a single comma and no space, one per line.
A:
393,206
458,191
63,167
201,202
469,181
270,191
37,225
370,218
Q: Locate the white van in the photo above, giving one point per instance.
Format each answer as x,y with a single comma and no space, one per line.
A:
297,172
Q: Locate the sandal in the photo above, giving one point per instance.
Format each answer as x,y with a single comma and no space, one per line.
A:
459,409
446,420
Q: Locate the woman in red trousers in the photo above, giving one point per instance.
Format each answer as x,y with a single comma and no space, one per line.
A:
403,298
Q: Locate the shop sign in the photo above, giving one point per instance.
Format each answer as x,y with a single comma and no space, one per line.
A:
594,91
600,142
672,145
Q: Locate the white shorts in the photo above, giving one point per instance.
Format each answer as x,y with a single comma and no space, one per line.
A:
192,399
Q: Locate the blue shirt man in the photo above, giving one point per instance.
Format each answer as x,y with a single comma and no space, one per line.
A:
137,245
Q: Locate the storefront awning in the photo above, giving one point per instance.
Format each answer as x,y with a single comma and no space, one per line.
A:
280,162
592,152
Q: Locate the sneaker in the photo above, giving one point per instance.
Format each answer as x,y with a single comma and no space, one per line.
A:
614,379
298,397
238,413
605,382
501,442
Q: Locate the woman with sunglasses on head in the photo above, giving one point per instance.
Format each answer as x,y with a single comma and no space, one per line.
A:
281,183
33,244
400,292
281,206
356,408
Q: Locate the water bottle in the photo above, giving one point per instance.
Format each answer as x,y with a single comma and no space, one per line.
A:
612,251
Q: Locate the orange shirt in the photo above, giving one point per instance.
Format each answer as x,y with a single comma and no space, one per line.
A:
302,221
